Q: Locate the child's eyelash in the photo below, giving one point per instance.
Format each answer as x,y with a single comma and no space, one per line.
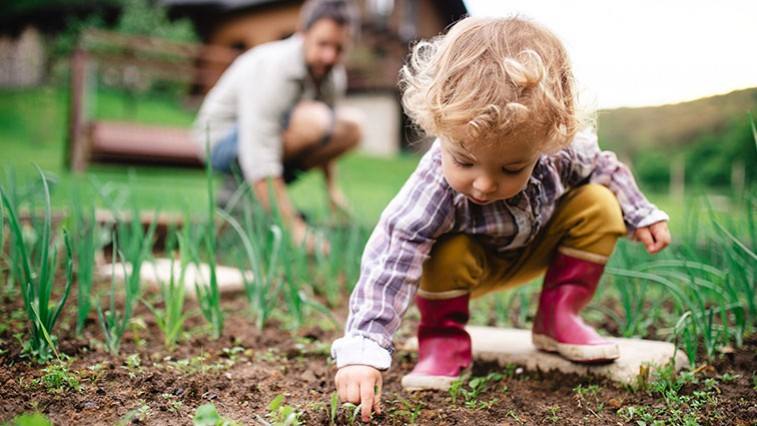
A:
513,172
462,163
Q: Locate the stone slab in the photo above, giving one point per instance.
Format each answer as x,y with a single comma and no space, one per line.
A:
158,271
506,346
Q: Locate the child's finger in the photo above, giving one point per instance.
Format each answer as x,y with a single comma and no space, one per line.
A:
366,401
661,235
645,237
353,393
377,398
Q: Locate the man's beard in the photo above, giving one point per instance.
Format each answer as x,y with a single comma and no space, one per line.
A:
319,76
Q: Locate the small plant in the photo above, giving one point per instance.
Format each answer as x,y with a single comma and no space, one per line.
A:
210,297
281,414
133,362
85,244
207,415
475,387
140,414
37,283
35,419
173,402
58,378
333,408
553,414
170,319
353,412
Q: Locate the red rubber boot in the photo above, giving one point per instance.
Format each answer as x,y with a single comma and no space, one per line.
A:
569,285
444,347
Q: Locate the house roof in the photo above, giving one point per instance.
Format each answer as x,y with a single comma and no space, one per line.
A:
451,9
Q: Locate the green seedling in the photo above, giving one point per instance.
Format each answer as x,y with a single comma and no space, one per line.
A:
334,408
35,419
281,414
37,282
207,415
470,389
209,297
170,319
85,245
353,412
553,414
140,415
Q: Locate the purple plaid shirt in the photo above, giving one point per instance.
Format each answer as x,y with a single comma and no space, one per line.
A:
427,207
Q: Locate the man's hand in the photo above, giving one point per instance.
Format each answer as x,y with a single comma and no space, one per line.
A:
360,384
307,237
655,237
339,204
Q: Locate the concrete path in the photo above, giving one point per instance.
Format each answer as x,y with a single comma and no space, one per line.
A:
514,346
153,273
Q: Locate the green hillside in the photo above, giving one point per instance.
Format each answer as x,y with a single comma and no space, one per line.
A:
629,130
709,140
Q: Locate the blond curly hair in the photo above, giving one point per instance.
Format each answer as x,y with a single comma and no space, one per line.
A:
492,77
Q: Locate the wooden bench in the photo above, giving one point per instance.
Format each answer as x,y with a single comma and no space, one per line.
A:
137,61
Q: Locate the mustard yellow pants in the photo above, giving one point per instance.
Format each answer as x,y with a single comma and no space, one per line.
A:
586,224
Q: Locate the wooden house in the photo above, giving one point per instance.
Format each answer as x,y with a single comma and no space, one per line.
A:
388,27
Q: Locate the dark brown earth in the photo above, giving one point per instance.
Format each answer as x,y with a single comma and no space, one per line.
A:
244,370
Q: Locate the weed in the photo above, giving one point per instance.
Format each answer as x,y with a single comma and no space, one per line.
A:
133,362
472,392
333,408
58,378
353,412
553,414
207,415
513,415
281,414
728,377
35,419
640,414
140,414
173,402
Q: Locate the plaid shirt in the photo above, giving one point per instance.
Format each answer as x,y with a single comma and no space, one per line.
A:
427,207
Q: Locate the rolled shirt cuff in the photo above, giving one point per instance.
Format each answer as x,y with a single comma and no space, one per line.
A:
360,350
656,215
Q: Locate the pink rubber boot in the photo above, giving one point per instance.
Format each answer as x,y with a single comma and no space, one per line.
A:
569,285
444,347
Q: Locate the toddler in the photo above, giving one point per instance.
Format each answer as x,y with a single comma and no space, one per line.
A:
514,187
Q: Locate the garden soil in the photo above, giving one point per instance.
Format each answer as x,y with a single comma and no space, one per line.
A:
244,370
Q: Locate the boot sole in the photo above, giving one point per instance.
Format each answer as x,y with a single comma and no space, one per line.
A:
417,382
577,353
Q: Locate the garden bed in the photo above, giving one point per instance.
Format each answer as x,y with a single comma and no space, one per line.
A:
242,372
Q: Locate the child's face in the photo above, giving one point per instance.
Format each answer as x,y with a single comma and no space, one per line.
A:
488,172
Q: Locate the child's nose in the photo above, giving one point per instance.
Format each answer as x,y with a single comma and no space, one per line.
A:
485,185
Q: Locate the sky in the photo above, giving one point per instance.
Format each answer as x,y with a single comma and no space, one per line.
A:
647,52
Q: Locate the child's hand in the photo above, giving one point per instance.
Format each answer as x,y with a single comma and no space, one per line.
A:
360,384
655,237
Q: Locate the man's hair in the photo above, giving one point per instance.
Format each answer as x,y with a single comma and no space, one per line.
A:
491,77
343,12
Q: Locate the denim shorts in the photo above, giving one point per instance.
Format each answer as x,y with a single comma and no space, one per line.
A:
224,155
